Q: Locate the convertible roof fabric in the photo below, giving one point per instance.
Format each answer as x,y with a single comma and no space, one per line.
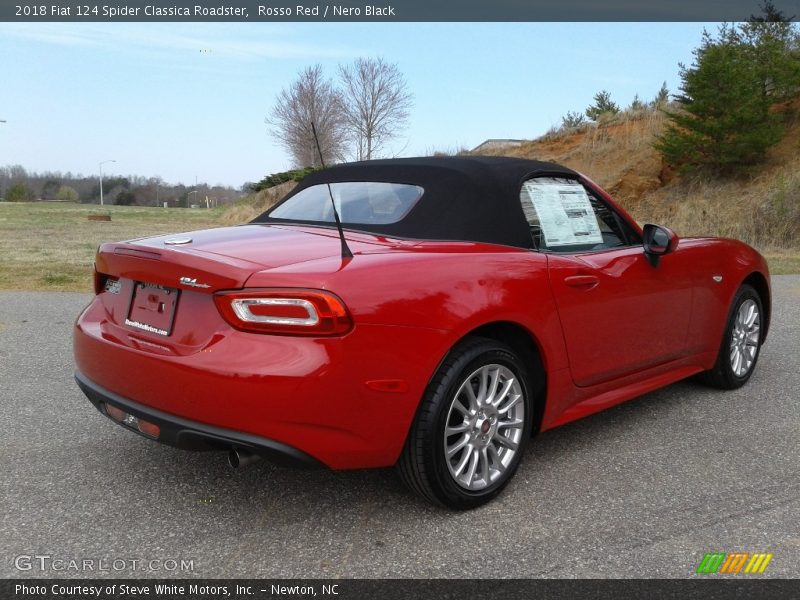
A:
470,198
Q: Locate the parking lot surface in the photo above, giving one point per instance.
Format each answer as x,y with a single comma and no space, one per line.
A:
642,490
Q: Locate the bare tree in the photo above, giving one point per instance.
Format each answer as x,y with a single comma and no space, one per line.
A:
376,104
310,98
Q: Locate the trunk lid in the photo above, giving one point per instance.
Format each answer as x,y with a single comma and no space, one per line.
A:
224,258
266,246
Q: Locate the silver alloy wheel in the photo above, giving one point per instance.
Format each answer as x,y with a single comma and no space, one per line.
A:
745,338
484,427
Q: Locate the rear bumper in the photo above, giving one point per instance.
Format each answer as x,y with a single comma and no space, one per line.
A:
310,394
191,435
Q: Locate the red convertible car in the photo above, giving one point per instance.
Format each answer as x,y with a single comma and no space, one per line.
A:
430,313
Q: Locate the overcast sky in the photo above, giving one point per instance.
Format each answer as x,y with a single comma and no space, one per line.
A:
189,100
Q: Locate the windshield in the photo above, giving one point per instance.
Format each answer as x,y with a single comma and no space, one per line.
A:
357,202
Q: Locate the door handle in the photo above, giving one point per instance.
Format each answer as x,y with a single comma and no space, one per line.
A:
581,281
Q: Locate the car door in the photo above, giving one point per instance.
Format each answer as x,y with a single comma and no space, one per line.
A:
620,313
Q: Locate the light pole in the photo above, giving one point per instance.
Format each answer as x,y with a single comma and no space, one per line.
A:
101,177
2,121
187,197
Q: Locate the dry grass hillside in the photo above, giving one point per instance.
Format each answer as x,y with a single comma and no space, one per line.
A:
618,154
249,208
762,209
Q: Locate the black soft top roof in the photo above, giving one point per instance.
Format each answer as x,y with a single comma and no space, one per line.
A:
469,198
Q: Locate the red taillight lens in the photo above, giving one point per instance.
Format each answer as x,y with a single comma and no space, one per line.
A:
105,283
149,429
115,413
99,281
285,311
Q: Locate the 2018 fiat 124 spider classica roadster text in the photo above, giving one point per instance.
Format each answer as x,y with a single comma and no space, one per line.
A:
431,313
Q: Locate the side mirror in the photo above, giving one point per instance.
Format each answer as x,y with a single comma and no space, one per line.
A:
658,241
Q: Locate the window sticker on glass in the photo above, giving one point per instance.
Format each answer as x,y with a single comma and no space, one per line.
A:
565,213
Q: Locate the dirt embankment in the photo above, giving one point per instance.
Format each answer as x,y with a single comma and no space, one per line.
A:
249,208
762,209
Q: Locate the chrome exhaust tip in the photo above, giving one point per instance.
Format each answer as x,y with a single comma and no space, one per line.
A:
239,458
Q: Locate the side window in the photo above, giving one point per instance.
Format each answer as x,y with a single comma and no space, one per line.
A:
566,217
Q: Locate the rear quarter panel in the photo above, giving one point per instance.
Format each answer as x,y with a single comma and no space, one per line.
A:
453,288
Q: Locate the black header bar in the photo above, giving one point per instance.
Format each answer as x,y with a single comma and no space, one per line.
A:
380,11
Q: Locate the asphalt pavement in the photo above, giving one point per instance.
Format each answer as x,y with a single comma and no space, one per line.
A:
642,490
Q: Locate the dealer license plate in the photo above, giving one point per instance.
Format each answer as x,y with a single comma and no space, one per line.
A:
152,308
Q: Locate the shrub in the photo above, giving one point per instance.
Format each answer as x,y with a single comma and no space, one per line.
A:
279,178
603,105
19,192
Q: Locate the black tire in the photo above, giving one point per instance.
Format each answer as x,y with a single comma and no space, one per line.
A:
423,466
722,375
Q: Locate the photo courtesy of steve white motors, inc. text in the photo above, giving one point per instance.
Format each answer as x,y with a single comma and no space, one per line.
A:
127,12
161,589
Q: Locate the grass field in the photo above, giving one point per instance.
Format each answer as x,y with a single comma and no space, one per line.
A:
51,246
46,246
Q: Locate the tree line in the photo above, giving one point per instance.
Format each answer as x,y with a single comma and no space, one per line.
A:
19,185
355,117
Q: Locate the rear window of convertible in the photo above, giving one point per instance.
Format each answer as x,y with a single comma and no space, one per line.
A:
361,202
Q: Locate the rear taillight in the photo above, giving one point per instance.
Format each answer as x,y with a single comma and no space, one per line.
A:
99,281
105,283
285,311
